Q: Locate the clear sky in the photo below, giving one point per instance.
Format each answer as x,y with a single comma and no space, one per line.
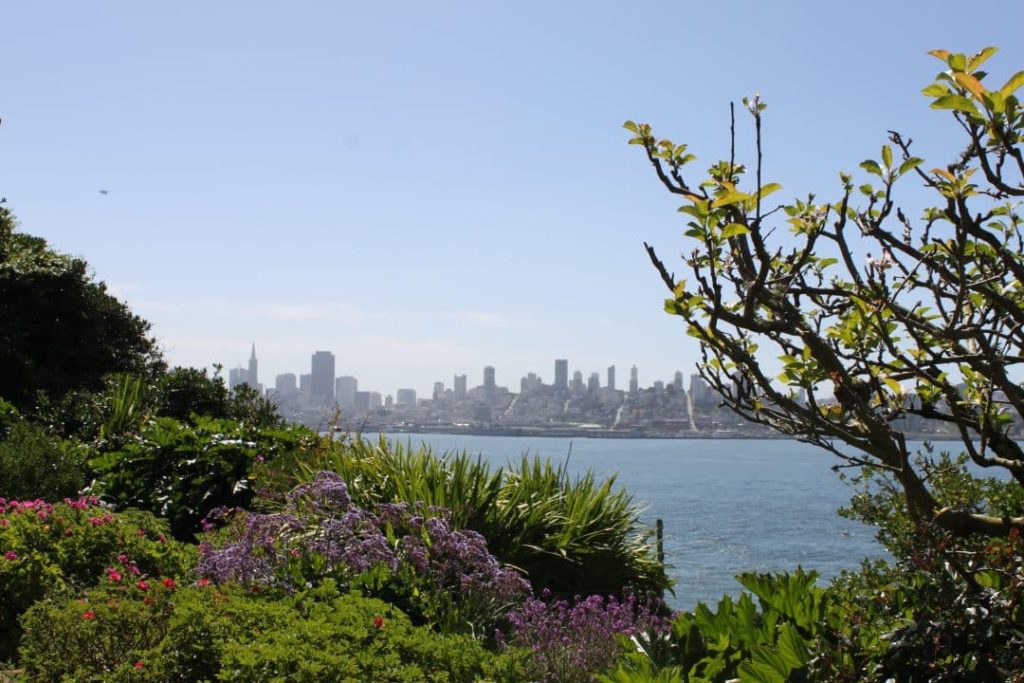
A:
425,188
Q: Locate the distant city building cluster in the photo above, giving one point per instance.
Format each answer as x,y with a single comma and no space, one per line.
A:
567,406
570,404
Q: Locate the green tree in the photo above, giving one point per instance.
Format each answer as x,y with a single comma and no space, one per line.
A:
59,329
930,327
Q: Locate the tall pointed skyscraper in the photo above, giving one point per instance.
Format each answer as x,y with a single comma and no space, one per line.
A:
252,378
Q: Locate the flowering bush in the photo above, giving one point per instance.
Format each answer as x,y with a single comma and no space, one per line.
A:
225,633
46,548
572,642
406,553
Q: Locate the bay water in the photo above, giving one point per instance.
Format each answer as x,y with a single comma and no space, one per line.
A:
728,505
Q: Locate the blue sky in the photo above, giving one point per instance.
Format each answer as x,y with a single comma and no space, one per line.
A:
428,188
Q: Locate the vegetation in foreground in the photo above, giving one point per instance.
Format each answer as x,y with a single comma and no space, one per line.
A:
155,528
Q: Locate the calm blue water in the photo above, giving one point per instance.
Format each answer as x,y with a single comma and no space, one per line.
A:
728,505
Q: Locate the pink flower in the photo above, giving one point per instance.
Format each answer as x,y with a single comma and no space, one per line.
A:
10,555
142,586
88,614
140,532
169,583
378,621
203,583
138,664
122,558
113,575
161,538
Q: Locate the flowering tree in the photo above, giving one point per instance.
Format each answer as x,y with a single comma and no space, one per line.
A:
927,321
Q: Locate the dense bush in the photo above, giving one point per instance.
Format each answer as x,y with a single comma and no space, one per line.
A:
207,633
409,554
183,471
49,549
61,330
35,465
575,536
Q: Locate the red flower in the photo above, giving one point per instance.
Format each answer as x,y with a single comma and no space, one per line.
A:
88,614
10,555
138,664
114,575
142,586
169,583
378,621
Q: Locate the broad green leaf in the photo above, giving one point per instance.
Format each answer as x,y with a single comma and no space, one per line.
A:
893,384
977,60
769,188
826,262
887,156
935,90
734,230
730,198
629,125
909,164
957,102
871,166
941,54
957,62
1015,82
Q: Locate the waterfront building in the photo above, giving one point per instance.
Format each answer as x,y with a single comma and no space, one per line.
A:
611,377
489,378
634,383
460,387
345,388
406,398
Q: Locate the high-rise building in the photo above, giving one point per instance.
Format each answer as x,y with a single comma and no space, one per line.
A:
321,388
460,387
594,383
285,385
406,398
611,377
253,376
345,388
577,381
677,381
438,390
561,373
634,383
489,377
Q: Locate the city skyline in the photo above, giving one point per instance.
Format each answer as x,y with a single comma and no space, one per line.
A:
561,368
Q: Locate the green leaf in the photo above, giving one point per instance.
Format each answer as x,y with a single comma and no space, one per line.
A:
977,60
871,166
769,188
734,230
1015,82
957,102
910,164
957,62
730,198
935,90
629,125
887,156
826,262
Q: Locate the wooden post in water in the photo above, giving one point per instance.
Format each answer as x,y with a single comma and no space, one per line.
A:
659,532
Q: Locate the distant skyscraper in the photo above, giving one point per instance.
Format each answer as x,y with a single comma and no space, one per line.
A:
594,383
285,384
577,381
634,383
438,390
677,381
253,376
406,398
561,373
321,388
489,377
611,377
460,387
345,388
248,375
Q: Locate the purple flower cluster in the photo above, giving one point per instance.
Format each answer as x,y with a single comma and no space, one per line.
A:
320,521
570,642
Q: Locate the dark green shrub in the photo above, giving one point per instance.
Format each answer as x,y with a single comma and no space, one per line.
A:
35,465
206,633
52,549
183,471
